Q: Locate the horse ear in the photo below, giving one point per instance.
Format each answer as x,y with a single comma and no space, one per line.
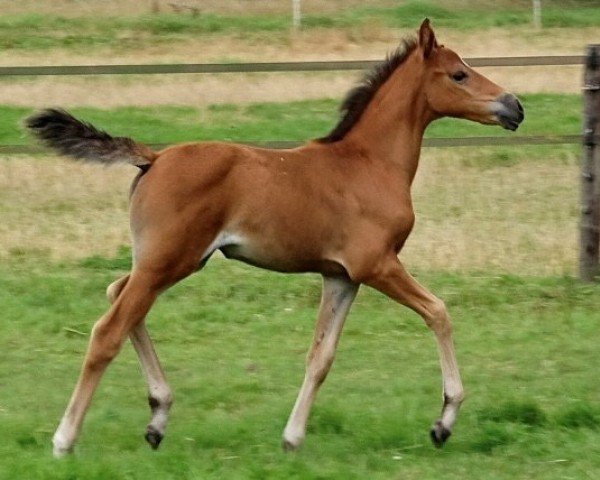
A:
427,40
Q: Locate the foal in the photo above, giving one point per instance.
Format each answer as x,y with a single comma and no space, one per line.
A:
340,206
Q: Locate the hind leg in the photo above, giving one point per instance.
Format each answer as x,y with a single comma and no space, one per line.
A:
159,392
168,247
108,335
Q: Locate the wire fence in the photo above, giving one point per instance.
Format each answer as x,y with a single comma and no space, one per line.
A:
318,66
427,142
270,67
476,210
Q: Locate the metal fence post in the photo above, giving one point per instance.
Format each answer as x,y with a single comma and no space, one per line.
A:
589,267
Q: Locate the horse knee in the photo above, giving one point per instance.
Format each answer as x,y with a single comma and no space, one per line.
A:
318,366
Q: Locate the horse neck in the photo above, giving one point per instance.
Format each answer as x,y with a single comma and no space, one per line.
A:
392,126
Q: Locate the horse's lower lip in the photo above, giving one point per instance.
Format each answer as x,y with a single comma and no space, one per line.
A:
510,122
510,125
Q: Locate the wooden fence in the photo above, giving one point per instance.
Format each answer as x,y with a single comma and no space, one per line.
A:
589,265
271,67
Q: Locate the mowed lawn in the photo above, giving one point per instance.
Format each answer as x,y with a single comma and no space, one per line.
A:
233,341
233,338
546,114
39,30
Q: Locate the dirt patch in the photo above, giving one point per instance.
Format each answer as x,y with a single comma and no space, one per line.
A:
520,218
140,7
195,90
202,90
62,209
371,43
111,91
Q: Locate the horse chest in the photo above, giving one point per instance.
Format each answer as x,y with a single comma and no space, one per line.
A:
388,205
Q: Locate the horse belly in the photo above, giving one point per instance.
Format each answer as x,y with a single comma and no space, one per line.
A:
281,256
267,259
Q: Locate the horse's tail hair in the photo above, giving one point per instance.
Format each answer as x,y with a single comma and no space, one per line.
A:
69,136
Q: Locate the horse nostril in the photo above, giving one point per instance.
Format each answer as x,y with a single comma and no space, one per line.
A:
511,102
509,111
519,106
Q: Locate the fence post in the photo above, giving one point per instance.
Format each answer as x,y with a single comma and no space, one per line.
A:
589,249
296,14
537,14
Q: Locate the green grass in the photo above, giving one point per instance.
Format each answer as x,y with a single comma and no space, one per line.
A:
233,340
38,32
410,13
546,114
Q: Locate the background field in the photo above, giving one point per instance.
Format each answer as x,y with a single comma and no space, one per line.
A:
496,238
233,341
521,202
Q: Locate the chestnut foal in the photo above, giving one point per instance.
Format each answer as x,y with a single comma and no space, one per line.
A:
340,206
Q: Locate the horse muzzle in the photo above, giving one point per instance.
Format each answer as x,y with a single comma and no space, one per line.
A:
508,111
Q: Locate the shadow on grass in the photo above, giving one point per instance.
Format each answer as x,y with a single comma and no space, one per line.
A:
581,415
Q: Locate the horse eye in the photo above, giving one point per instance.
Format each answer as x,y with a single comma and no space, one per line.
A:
459,76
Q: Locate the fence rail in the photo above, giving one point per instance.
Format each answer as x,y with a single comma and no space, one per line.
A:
270,67
320,66
427,142
590,220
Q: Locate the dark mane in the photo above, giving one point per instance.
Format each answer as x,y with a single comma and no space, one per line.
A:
359,97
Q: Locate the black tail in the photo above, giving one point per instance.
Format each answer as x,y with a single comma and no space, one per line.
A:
69,136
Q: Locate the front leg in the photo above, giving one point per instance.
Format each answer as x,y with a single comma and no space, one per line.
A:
394,281
337,297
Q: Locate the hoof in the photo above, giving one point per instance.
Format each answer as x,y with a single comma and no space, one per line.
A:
153,437
60,447
288,446
439,434
59,452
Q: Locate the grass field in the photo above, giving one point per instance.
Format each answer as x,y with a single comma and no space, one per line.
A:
495,237
478,210
233,341
526,344
244,7
46,31
302,120
520,202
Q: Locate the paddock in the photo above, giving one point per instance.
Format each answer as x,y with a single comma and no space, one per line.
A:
233,339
